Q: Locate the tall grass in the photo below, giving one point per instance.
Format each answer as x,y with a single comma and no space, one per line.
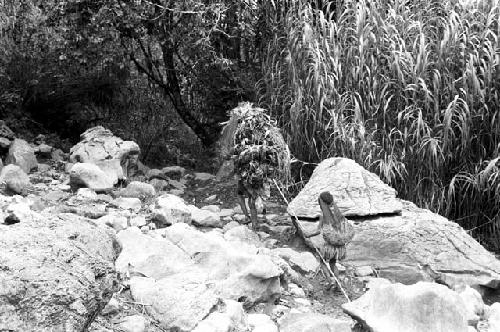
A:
409,89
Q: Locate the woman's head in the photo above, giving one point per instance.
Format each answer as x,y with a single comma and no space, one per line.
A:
326,197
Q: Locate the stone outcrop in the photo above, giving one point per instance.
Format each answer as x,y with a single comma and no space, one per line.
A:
56,273
420,307
186,274
419,245
99,146
22,155
356,191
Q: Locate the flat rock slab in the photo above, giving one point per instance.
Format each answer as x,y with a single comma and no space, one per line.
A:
418,245
356,191
56,273
421,307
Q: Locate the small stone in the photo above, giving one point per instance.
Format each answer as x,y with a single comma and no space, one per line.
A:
111,308
159,184
174,172
261,323
296,290
128,203
493,317
203,176
135,323
363,271
240,218
43,168
86,193
138,189
230,225
4,143
90,176
210,199
473,303
15,179
116,222
205,218
138,221
22,155
177,192
226,213
302,301
211,208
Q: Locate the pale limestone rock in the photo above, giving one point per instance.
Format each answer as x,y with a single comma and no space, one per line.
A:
420,307
90,176
22,155
356,191
15,179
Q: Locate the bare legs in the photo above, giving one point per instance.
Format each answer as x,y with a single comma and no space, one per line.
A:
253,210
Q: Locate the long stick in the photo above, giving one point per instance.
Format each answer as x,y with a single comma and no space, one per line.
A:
295,221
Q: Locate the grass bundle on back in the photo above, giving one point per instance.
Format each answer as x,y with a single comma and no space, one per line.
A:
259,150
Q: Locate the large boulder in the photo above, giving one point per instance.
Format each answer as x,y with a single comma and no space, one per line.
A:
98,145
420,307
418,245
185,275
56,273
90,176
356,191
22,155
16,181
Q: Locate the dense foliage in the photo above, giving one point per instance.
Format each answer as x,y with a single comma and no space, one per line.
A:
408,88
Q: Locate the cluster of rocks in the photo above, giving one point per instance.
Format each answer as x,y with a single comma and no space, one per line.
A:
110,245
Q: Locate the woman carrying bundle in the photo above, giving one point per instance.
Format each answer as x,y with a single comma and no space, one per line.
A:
336,230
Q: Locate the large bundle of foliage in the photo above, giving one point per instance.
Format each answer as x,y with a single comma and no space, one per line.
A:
254,141
409,89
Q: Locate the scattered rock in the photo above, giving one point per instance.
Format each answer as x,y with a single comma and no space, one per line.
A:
473,303
5,131
90,176
212,208
205,218
419,307
174,172
22,155
159,185
4,143
138,221
111,308
356,191
138,189
43,151
114,221
128,203
135,323
363,271
229,317
261,323
171,209
493,317
312,322
210,199
15,179
303,261
57,273
86,193
203,176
